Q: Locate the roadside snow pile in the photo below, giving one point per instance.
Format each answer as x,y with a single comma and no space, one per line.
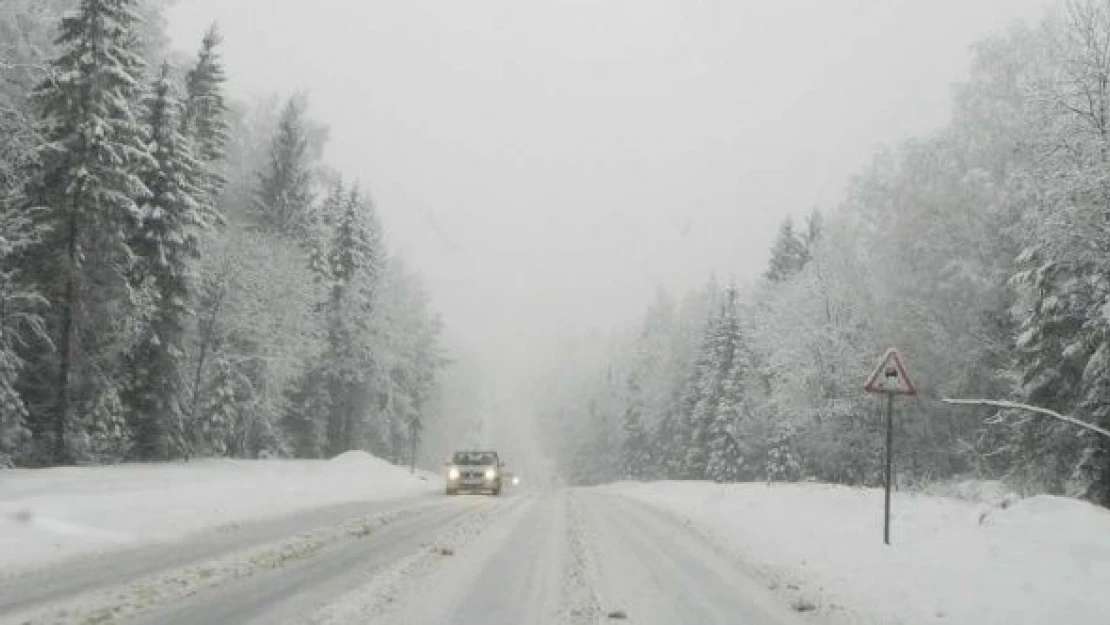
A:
991,492
357,457
1039,560
51,514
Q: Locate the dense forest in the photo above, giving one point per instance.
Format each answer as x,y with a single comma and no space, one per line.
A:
181,274
981,250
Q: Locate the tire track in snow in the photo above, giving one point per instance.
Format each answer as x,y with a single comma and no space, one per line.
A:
399,594
60,582
122,602
657,572
580,576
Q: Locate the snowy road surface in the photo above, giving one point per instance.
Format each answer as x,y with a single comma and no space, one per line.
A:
569,556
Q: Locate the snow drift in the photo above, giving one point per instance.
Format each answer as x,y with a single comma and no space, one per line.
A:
51,514
1038,560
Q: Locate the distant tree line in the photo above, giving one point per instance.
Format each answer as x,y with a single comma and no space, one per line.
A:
982,251
181,275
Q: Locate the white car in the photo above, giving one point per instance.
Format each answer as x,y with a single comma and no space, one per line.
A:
474,471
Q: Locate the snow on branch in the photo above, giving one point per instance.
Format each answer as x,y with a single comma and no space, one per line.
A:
1038,410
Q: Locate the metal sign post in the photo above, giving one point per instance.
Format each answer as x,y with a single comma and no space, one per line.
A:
889,454
889,379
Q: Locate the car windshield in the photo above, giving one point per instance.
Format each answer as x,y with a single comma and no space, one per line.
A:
475,458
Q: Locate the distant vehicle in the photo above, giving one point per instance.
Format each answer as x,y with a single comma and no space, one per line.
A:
474,471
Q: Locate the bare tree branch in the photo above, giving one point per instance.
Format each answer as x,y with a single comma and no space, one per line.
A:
1038,410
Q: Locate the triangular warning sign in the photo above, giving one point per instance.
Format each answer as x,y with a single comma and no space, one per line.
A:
890,376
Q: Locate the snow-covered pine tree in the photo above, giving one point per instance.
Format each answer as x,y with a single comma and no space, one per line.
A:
208,430
668,442
406,354
23,28
700,402
283,201
725,457
355,263
600,460
675,386
309,408
21,326
166,248
815,225
204,119
331,210
1053,353
636,459
220,408
788,254
306,415
357,257
1061,277
1091,475
782,462
1086,32
86,181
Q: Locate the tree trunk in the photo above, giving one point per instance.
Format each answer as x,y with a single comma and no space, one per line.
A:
204,336
65,347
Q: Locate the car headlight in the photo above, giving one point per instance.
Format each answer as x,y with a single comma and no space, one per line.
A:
516,480
491,473
453,474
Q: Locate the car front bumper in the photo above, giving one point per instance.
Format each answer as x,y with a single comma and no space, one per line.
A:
473,486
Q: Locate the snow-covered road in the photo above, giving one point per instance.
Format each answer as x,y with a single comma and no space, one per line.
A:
566,556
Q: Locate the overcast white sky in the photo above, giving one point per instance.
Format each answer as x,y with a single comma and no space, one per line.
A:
546,163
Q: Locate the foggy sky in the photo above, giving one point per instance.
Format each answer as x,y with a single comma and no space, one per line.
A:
545,164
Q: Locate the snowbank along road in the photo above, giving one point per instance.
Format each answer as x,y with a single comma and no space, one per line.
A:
567,556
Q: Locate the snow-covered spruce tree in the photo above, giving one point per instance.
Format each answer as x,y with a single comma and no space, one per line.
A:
788,254
636,459
21,327
668,443
166,248
782,462
598,458
255,314
700,402
263,317
87,185
1091,475
283,203
681,434
204,120
1053,353
330,211
309,408
675,384
810,340
1064,293
407,357
209,420
726,458
23,28
355,262
220,406
815,226
1087,33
